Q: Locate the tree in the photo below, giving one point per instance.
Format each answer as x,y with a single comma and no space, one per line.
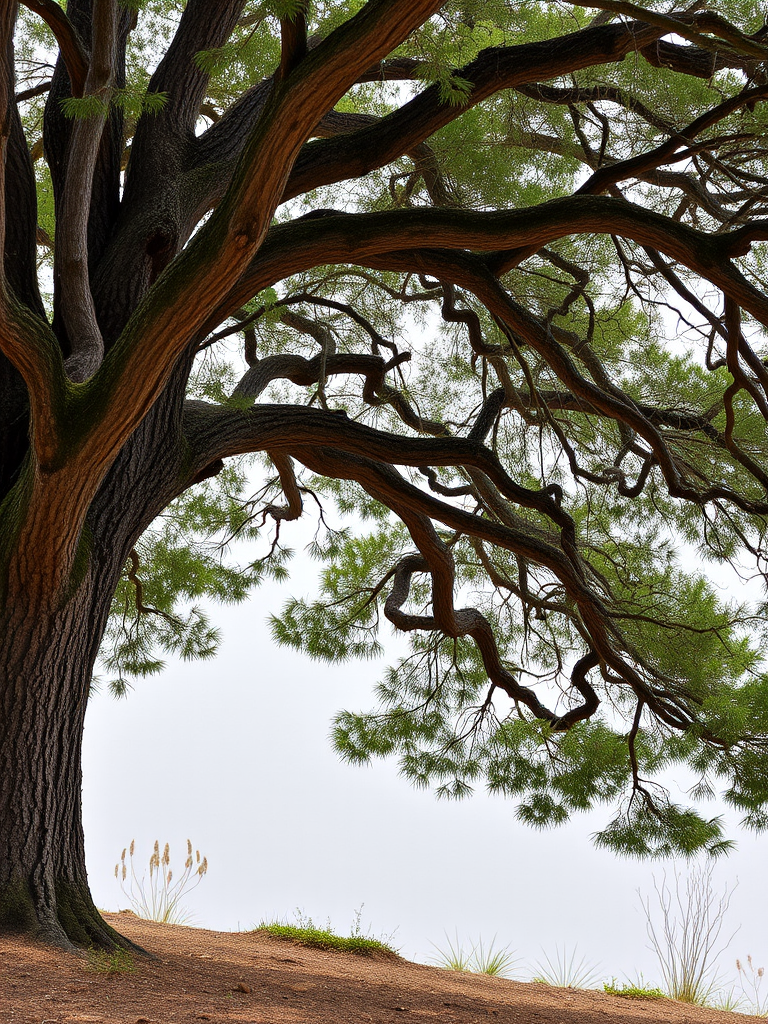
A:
492,273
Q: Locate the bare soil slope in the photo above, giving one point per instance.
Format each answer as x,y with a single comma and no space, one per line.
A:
253,978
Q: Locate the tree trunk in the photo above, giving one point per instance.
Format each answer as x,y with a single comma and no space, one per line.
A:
46,663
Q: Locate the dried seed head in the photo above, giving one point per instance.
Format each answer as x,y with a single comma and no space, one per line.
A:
125,872
760,972
116,869
133,844
167,854
188,863
122,855
198,856
738,966
170,876
203,867
189,847
157,847
749,960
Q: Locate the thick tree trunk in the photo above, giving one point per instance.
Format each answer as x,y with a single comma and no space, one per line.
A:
48,649
46,661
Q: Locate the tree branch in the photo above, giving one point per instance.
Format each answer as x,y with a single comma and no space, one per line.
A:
293,41
354,238
494,69
200,277
73,50
609,175
689,26
71,252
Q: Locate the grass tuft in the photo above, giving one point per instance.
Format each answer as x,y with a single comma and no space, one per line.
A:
112,961
497,963
565,971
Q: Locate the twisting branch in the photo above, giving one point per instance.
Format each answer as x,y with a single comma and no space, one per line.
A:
435,558
604,177
387,486
294,507
73,50
132,573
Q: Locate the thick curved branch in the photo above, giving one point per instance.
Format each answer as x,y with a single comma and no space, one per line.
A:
216,433
73,51
691,27
30,346
354,155
694,248
354,238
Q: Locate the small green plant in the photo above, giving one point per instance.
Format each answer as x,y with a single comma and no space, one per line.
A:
565,971
160,899
751,981
306,933
498,963
633,990
112,961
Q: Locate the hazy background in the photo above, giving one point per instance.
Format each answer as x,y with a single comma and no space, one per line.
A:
234,754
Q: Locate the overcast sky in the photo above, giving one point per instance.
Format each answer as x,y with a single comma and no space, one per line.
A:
234,754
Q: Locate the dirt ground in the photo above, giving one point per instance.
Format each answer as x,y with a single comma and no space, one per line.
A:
253,978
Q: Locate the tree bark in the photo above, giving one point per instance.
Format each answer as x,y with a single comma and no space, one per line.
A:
47,658
46,663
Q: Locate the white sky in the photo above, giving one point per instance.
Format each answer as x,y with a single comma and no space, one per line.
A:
235,754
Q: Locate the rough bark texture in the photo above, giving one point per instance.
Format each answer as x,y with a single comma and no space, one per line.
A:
44,680
46,665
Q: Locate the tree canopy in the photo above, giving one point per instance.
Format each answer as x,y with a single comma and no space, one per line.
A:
481,285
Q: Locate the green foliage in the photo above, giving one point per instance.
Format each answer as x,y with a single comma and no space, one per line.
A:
84,107
305,933
179,562
632,990
95,105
